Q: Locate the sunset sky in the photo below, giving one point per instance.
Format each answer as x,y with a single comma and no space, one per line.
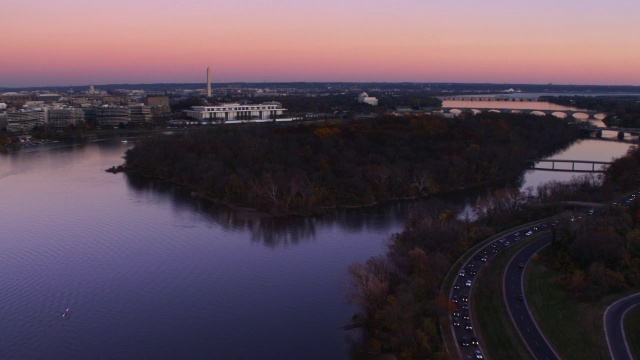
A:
73,42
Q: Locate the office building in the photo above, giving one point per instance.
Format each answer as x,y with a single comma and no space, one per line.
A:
235,111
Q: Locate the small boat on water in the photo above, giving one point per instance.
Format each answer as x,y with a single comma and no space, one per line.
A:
65,313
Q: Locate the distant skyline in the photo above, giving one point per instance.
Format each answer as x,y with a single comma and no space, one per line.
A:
72,42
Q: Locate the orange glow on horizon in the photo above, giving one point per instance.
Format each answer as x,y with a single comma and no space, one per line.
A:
340,41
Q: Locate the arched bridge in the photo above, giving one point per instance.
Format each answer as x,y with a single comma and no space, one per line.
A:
583,166
569,113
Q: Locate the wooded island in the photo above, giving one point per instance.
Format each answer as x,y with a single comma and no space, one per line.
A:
311,167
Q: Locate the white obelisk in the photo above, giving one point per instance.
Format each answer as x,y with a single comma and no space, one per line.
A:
208,82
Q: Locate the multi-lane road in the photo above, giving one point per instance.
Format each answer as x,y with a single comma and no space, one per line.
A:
461,319
614,327
516,302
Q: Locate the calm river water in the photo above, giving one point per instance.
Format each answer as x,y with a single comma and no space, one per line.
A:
149,272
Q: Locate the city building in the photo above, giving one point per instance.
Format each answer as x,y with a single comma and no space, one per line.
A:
112,115
235,111
64,117
92,91
140,114
365,98
3,116
159,105
15,100
24,120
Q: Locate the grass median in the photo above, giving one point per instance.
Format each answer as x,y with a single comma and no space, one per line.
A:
632,330
498,336
574,328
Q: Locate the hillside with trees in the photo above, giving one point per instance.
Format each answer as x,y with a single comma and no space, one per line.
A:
308,168
398,294
600,253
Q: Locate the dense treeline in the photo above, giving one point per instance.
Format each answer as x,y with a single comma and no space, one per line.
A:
346,103
305,168
324,104
600,253
398,295
623,111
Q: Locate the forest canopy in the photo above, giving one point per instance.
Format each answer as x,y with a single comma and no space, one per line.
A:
308,167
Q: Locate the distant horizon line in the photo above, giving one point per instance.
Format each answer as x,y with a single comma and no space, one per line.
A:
204,84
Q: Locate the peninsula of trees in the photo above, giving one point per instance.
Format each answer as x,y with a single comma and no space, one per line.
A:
311,167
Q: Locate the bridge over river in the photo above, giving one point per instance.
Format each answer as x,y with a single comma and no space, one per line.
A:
582,166
597,131
586,114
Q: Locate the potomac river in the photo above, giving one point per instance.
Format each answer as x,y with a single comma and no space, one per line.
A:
147,271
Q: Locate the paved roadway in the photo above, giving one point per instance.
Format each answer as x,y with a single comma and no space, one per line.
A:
517,305
461,318
614,327
513,291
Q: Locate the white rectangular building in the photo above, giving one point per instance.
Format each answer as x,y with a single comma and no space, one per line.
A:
236,112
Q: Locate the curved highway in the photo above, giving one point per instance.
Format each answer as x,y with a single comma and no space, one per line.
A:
614,327
462,324
517,305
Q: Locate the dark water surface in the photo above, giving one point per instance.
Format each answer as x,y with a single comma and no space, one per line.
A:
149,272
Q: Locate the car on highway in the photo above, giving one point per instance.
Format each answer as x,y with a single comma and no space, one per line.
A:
462,272
468,283
466,316
521,297
456,313
477,354
455,322
464,299
528,233
468,326
465,306
472,272
517,238
474,341
521,265
456,286
464,341
507,243
485,258
454,299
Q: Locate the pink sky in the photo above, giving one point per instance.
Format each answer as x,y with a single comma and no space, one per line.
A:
73,42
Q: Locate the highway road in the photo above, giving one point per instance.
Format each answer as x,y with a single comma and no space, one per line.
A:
517,305
461,318
614,327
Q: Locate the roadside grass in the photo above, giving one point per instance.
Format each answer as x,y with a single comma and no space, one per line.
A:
498,336
574,328
632,330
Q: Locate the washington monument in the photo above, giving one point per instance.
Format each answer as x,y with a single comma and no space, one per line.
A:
208,82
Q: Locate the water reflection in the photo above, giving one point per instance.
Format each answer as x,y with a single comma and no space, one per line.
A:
292,230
